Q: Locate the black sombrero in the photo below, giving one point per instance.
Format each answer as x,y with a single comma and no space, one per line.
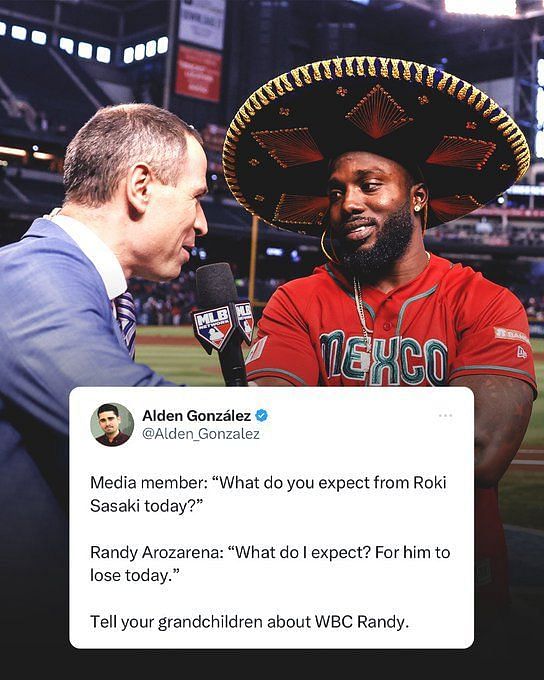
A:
280,142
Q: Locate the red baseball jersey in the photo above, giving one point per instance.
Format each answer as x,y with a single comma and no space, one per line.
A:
446,323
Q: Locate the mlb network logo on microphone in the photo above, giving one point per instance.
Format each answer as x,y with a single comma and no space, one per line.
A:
214,327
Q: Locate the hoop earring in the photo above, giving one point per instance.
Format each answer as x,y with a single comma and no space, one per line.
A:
334,260
424,217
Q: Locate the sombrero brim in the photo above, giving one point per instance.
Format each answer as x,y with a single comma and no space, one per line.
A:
279,145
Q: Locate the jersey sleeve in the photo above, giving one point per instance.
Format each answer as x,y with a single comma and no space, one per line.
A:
494,339
283,348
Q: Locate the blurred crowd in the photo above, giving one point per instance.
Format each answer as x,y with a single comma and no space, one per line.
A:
534,306
171,304
165,304
488,233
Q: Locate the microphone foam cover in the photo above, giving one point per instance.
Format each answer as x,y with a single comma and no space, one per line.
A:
215,285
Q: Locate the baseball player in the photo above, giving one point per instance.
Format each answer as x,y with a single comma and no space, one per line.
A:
366,153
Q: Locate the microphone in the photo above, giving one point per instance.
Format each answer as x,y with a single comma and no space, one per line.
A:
223,322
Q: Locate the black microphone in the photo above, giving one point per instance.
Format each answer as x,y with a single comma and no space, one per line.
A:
222,322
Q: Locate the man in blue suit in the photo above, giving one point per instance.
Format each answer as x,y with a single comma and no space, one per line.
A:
134,176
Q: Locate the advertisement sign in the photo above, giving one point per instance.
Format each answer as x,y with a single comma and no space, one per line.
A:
198,73
202,22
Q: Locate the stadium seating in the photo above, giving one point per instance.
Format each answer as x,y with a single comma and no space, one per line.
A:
34,76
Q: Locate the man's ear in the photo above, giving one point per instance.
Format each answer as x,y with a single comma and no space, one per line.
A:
420,196
138,187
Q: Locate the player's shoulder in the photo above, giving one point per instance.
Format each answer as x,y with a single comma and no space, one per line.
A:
467,290
316,282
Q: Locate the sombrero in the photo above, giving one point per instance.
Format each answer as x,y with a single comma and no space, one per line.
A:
279,145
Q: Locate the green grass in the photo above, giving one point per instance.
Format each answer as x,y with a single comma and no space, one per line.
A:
534,439
521,499
183,365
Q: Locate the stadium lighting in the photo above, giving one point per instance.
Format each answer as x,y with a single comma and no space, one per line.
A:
491,8
3,28
38,37
85,50
139,52
539,144
540,72
103,54
128,55
162,45
274,252
151,48
18,32
67,44
540,107
11,151
41,156
525,190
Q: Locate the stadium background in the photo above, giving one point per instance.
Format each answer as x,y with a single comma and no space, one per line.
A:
61,60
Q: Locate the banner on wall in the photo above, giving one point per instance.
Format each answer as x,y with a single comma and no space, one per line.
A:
198,73
202,22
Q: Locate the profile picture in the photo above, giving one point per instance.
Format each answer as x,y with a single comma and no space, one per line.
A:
112,424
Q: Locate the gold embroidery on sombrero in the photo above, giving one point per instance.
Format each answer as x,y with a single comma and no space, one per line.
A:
301,209
450,207
462,152
378,113
360,65
406,70
296,77
430,76
269,91
256,103
306,74
294,146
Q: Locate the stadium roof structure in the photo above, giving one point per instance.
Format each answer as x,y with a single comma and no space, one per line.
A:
108,20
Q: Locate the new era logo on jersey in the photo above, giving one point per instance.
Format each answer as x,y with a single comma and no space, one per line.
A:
214,326
522,354
510,334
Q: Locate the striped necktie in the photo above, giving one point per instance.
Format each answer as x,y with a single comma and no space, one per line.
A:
126,316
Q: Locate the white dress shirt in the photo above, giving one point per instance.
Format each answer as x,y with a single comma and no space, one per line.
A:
92,246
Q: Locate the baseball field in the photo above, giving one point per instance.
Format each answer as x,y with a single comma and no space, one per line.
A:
173,352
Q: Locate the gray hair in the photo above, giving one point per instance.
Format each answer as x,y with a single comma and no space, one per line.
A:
113,140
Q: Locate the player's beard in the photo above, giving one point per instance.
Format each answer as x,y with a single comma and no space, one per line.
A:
392,241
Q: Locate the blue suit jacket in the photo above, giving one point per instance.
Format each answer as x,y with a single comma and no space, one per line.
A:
57,332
